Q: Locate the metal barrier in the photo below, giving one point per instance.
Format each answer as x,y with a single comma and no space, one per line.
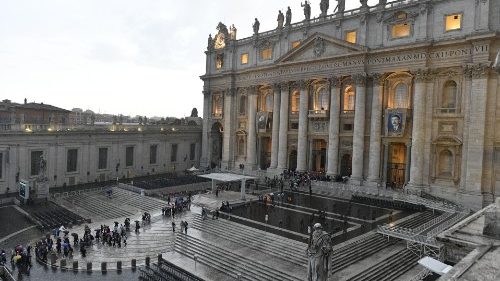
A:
166,271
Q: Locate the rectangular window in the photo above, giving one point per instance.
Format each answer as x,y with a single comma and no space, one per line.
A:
35,162
350,37
295,44
129,156
453,22
173,156
103,158
71,160
266,54
152,153
244,58
400,30
192,151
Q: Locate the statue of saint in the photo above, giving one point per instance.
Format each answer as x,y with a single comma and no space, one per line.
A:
318,254
232,33
42,172
210,42
496,64
256,26
307,10
288,19
281,19
382,2
194,112
340,6
364,3
323,6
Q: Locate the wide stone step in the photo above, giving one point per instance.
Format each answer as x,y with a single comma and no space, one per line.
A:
258,234
229,259
99,207
297,257
389,268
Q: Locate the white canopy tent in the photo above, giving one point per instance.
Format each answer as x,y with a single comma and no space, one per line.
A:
227,177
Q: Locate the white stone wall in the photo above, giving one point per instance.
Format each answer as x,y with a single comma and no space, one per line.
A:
18,147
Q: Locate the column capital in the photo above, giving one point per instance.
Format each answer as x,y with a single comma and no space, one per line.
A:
334,81
276,87
206,93
378,78
230,92
359,79
284,85
252,90
421,75
302,84
478,71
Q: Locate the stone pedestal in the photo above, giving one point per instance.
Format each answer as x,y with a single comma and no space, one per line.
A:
492,221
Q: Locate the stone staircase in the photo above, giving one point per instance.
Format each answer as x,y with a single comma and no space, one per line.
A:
122,203
276,246
228,262
361,249
418,220
389,268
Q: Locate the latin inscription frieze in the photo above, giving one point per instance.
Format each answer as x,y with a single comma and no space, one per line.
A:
348,64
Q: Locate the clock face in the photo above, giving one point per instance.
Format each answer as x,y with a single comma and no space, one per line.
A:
219,41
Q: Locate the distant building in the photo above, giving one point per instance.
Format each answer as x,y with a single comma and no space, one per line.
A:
30,116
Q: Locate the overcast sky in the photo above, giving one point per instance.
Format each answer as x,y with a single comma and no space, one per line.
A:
141,57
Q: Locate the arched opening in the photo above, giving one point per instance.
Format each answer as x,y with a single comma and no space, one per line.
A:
292,160
217,105
449,96
269,103
265,153
241,146
321,99
346,165
216,145
348,100
445,165
243,105
295,102
400,96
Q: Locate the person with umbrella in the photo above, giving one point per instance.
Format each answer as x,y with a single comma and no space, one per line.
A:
137,226
75,238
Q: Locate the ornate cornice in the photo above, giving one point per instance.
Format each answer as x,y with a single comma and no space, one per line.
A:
359,79
378,79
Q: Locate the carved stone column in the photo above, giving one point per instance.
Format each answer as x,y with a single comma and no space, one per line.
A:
476,130
252,133
204,160
375,130
334,127
276,122
418,132
358,139
227,141
283,132
302,134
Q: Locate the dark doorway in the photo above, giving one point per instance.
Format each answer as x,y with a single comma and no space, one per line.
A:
216,145
396,165
292,160
265,153
346,165
319,155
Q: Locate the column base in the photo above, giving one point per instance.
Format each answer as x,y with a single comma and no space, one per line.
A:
373,183
250,167
356,181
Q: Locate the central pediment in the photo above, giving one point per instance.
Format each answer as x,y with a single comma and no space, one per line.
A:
320,46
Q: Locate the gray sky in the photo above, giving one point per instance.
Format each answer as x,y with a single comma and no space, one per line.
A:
121,56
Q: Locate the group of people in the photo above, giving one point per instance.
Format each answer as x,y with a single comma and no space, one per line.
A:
184,226
20,258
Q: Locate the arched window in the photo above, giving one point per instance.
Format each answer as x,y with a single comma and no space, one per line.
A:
449,97
243,105
217,105
295,102
445,164
321,99
241,146
269,102
401,97
349,99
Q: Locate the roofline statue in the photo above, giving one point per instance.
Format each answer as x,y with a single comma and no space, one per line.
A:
307,10
340,7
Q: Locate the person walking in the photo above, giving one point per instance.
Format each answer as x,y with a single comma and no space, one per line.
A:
173,226
186,227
